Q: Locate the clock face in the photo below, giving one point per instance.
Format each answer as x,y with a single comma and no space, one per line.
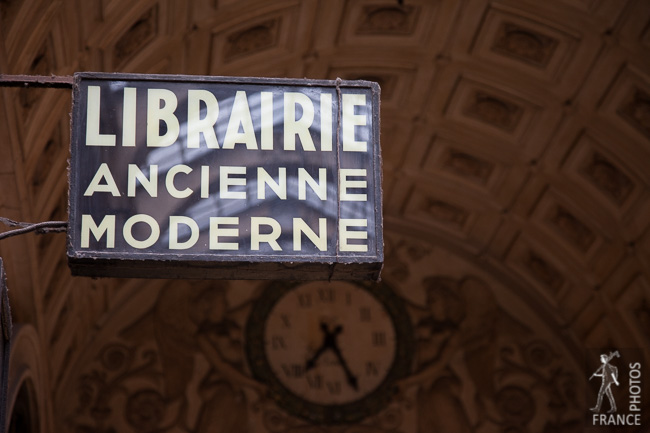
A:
330,352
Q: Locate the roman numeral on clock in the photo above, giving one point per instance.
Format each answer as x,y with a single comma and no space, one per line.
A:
293,370
378,339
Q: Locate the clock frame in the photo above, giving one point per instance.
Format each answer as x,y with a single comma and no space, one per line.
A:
320,348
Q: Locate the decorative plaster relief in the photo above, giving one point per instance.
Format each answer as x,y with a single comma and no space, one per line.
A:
257,38
142,32
524,44
387,20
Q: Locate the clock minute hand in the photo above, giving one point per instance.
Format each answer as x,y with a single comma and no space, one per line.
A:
351,378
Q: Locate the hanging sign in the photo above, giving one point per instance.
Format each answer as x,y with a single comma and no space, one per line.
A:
212,177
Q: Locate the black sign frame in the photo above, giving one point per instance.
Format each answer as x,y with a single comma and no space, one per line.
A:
155,264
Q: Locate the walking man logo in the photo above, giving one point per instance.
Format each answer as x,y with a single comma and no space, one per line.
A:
609,375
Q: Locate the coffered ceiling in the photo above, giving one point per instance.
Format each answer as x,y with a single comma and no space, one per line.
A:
515,140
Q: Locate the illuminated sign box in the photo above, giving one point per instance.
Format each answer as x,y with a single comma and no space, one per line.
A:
214,177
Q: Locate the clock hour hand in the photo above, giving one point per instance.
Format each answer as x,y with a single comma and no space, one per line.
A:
328,340
311,362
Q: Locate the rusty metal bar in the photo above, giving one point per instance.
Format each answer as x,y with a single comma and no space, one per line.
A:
40,228
47,81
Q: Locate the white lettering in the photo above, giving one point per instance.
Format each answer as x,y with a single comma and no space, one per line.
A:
197,126
169,181
346,184
157,113
149,184
128,117
270,238
350,120
300,227
266,119
225,181
346,235
217,231
103,172
205,181
635,387
174,221
203,110
325,122
128,231
93,136
264,179
299,127
319,188
240,116
616,419
106,226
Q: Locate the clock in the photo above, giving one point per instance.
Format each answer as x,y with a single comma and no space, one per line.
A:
330,353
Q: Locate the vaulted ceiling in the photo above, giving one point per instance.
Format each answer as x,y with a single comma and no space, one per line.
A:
515,140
